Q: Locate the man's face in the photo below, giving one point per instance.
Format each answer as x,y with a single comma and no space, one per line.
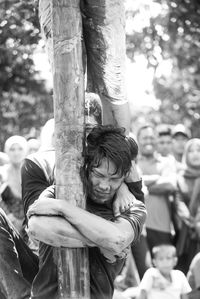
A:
164,145
147,142
178,144
104,182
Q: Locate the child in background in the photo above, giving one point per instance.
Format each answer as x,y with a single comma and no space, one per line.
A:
162,281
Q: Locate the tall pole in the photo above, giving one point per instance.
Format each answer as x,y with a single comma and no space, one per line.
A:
62,27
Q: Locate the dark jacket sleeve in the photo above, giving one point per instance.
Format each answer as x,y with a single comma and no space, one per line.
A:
49,192
136,215
33,183
136,189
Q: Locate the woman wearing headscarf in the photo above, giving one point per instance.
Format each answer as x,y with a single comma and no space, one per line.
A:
188,205
10,178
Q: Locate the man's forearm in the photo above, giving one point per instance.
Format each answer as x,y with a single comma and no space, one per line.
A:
56,231
158,184
103,233
112,236
150,179
161,188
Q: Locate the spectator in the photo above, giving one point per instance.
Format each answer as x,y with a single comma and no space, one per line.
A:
164,148
180,135
162,281
159,177
33,145
16,149
164,143
188,206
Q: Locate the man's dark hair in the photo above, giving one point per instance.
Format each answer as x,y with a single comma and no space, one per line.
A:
111,143
164,133
163,130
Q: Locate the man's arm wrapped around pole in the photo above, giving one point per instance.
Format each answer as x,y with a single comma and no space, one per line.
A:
104,37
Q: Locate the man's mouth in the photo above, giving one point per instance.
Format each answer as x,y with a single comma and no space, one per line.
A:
101,193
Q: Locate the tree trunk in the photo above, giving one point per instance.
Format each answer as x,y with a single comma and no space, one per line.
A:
104,37
62,27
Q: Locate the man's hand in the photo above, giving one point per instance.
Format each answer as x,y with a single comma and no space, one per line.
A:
112,257
123,201
134,175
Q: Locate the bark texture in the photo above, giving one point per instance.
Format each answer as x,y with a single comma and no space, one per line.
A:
61,24
104,37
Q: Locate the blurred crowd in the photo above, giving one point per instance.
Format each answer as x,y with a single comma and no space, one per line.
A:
169,165
16,149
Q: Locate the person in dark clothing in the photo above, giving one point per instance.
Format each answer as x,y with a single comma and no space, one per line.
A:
57,223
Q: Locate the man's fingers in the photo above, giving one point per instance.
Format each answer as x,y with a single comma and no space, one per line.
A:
116,211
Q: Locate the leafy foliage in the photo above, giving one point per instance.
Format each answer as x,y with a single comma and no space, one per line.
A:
168,35
172,36
25,102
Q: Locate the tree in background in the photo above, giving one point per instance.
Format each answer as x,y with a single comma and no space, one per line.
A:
25,103
168,36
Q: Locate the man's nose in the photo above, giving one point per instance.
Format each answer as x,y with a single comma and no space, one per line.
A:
104,185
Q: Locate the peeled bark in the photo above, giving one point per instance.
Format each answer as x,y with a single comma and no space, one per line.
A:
61,25
104,37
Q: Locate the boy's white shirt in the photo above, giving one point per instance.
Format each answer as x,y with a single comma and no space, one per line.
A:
158,287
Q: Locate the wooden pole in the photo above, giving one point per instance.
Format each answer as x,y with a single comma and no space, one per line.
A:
62,27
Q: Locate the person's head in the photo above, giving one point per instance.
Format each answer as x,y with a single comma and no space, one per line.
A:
108,157
180,135
164,258
146,137
191,155
47,135
164,143
33,145
16,149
